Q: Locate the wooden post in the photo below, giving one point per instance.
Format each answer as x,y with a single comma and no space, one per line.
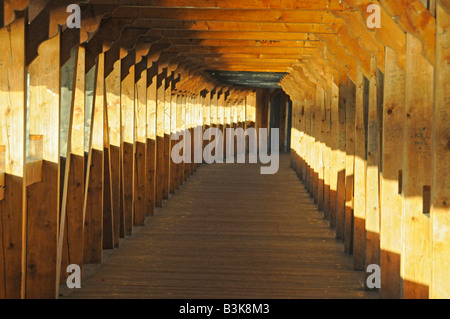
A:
226,108
372,171
283,126
334,153
108,218
193,104
250,115
301,138
341,159
71,242
314,150
308,145
179,130
349,165
113,105
13,217
167,141
320,121
391,201
199,125
140,105
185,128
150,159
294,135
43,197
221,114
93,221
128,135
173,131
214,110
160,108
359,201
189,112
207,116
440,190
327,152
417,162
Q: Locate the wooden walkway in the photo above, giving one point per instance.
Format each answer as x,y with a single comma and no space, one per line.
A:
231,233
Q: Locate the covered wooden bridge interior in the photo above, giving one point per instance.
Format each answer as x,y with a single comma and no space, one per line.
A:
359,89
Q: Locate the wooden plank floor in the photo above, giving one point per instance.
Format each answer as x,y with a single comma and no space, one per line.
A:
231,233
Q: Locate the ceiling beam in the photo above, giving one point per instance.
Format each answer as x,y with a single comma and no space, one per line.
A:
280,16
240,26
229,4
235,35
237,49
241,43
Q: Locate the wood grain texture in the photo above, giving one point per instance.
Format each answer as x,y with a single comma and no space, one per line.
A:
391,200
12,161
245,235
340,162
349,166
359,201
440,190
113,105
417,148
372,172
43,198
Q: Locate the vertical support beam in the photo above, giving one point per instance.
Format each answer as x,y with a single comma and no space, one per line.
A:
43,197
440,189
179,131
226,122
313,151
250,115
341,159
160,108
108,218
213,111
206,116
189,112
372,185
308,144
359,201
93,225
167,141
199,131
72,240
283,126
214,103
193,101
221,114
294,135
150,158
299,140
113,105
141,138
12,160
391,200
416,172
303,140
173,130
334,153
185,126
328,139
128,134
320,121
349,165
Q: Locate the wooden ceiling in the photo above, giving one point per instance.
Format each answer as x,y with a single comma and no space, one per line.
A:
277,36
248,36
